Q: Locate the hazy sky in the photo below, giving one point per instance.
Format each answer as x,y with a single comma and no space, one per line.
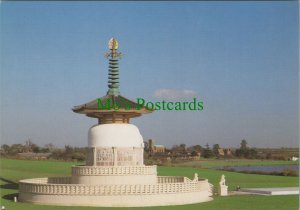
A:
239,58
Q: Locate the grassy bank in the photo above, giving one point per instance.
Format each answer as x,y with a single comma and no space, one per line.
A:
14,170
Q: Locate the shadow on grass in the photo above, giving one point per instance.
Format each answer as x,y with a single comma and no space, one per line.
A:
10,197
9,184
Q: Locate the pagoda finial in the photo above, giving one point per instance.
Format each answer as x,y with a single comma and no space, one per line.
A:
113,45
113,71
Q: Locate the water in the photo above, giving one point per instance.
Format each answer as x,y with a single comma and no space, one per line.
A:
265,169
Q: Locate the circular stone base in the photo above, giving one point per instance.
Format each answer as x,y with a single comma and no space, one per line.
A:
117,201
167,190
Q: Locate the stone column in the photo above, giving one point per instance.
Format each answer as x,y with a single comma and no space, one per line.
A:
115,155
95,156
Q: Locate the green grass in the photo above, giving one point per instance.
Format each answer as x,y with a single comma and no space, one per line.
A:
14,170
233,179
21,169
211,163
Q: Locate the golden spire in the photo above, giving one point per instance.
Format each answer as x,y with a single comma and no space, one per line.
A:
113,45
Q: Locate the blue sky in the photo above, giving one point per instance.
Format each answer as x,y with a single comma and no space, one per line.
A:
239,58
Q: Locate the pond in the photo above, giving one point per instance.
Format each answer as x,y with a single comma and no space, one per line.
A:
262,169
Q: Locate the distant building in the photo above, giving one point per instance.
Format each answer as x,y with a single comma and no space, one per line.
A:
153,149
225,152
159,149
221,152
151,145
294,158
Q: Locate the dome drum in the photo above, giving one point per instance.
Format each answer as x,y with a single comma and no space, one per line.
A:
115,156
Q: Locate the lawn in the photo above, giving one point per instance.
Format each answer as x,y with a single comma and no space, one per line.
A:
14,170
212,163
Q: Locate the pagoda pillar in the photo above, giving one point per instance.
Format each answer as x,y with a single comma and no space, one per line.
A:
115,154
95,156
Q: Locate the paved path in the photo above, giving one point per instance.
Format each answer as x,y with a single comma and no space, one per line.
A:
269,191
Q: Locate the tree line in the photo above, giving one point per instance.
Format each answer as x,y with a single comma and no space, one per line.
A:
49,151
79,153
181,150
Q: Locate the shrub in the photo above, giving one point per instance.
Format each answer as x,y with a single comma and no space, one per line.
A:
289,172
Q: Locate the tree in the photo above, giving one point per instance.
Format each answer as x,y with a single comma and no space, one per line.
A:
197,148
15,149
34,148
269,155
68,149
245,151
146,146
216,148
50,147
207,153
244,144
182,147
5,148
251,153
27,146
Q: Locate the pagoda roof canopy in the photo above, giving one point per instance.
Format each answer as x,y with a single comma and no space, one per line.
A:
110,104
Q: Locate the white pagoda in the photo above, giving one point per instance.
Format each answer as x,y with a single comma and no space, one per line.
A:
114,174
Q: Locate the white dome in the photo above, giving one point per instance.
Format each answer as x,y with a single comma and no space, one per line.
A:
115,135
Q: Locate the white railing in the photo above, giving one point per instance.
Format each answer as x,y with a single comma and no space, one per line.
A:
42,186
170,179
111,170
48,180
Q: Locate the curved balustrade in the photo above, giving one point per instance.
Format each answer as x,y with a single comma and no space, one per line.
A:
111,170
47,180
47,186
